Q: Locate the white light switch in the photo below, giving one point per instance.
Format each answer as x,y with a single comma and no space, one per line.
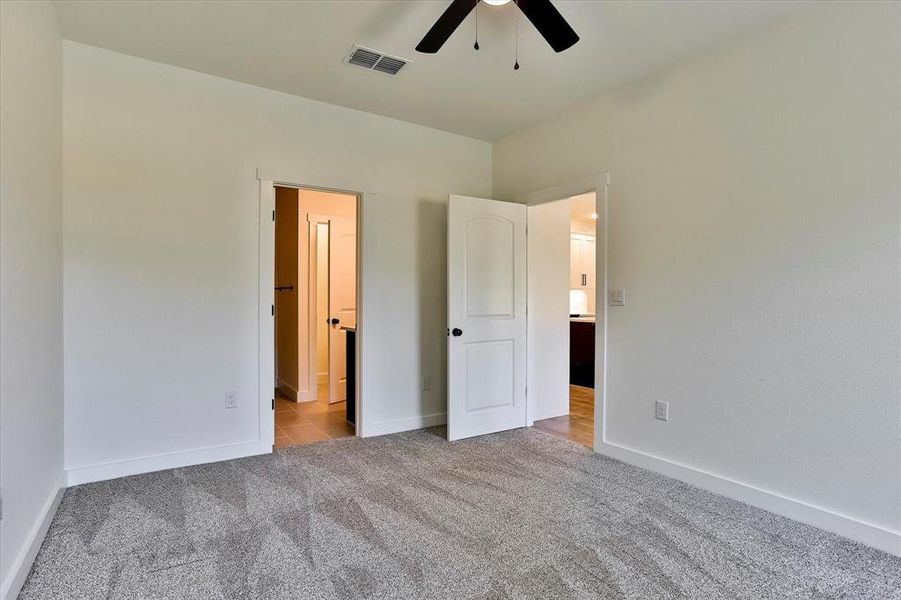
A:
616,297
231,399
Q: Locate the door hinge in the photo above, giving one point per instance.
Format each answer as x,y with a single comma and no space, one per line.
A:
273,404
273,216
272,309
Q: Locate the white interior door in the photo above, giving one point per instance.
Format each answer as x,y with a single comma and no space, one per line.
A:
342,299
549,307
486,249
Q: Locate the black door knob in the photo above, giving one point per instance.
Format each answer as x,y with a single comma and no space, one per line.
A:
456,332
335,321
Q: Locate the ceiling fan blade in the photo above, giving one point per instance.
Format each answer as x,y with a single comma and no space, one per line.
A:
446,25
549,23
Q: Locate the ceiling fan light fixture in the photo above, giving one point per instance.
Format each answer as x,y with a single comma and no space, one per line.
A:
546,19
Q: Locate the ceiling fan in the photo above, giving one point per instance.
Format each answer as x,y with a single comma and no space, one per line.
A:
549,23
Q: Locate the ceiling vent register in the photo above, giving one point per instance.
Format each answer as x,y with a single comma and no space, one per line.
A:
372,60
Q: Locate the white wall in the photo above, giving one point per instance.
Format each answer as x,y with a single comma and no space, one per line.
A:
754,223
161,244
31,346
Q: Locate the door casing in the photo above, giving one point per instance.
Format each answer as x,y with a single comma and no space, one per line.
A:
266,347
600,185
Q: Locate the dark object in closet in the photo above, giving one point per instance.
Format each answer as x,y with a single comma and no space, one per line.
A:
351,372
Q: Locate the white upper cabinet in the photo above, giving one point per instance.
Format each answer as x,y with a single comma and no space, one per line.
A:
581,261
575,263
588,255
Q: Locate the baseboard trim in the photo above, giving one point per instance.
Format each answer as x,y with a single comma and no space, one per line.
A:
22,564
160,462
288,391
408,424
797,510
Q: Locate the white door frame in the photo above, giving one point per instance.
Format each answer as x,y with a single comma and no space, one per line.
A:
599,184
266,350
313,221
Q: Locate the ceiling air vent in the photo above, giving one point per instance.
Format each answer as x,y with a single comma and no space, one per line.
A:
375,61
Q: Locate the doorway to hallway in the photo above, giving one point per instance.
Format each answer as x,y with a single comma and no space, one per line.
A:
578,424
577,218
558,272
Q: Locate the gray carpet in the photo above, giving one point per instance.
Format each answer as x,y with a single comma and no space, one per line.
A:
520,514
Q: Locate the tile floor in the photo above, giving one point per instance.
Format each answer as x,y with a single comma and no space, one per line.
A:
578,425
299,423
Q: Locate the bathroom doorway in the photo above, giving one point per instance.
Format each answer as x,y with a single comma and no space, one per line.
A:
315,315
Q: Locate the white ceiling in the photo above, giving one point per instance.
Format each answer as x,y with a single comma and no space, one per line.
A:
297,47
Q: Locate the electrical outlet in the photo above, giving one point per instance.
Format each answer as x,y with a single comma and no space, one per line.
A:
661,410
231,399
426,383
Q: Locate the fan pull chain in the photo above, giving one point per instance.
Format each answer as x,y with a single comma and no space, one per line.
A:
476,45
516,36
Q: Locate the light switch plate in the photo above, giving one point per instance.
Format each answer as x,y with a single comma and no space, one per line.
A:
616,297
231,399
661,410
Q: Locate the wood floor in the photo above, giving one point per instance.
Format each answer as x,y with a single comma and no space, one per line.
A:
578,425
299,423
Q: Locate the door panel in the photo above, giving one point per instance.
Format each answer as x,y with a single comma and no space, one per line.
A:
342,300
550,247
486,307
490,367
489,267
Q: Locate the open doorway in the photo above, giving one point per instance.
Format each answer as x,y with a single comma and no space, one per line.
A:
511,271
315,315
574,417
